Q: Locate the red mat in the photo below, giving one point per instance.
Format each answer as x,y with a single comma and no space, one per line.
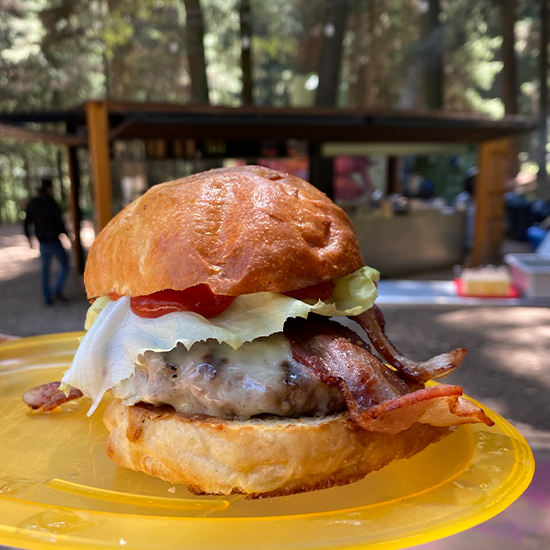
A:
513,292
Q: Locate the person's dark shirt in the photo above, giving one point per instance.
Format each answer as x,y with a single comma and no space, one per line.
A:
44,215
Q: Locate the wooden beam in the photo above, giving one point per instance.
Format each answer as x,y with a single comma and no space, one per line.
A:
24,134
510,123
490,187
98,138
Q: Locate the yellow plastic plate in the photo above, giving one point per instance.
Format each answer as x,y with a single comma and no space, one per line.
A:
59,489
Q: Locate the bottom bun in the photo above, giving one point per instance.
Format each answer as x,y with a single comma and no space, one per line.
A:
261,457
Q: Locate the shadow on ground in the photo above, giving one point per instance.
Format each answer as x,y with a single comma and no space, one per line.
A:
22,310
506,366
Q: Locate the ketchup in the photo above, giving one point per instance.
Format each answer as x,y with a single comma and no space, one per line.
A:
199,299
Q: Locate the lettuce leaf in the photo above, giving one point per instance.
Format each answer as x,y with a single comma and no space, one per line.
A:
353,294
94,311
117,338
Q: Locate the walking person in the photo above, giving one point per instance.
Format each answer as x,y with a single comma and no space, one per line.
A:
44,215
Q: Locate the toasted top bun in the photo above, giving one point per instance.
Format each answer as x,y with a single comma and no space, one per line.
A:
239,230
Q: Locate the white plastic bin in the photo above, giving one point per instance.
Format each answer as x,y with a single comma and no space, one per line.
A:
530,273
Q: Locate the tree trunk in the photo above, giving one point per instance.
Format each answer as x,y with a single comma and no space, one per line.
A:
106,62
372,66
195,52
336,15
509,71
359,59
108,75
543,184
59,166
10,188
432,40
245,18
2,212
509,88
28,176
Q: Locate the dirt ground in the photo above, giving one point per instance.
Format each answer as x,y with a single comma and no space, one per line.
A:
23,312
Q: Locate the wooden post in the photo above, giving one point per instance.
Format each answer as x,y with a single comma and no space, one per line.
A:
74,175
392,183
321,172
98,138
490,187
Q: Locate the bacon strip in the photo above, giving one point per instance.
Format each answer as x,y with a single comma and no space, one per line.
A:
372,322
441,405
48,396
376,397
338,357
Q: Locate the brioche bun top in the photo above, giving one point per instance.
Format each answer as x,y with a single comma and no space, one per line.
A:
239,230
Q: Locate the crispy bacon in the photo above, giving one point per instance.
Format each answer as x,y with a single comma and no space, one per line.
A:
339,357
48,396
441,405
373,323
376,397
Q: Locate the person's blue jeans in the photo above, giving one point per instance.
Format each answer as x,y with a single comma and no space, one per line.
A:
47,252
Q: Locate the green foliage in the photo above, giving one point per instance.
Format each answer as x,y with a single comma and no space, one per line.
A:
55,54
223,51
21,168
278,28
472,60
381,52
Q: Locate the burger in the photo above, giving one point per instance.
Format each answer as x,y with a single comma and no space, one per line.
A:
231,319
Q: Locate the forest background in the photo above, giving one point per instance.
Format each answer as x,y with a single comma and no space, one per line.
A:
487,56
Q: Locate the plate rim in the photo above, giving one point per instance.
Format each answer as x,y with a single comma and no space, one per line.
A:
516,484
